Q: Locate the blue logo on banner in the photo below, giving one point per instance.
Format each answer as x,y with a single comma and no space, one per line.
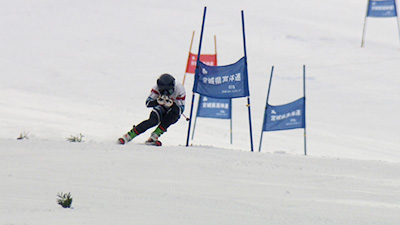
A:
285,117
214,108
382,8
222,81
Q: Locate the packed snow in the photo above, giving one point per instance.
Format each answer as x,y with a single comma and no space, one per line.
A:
86,67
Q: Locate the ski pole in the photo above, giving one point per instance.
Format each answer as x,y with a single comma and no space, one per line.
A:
187,119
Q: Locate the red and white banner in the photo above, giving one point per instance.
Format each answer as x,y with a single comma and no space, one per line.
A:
209,60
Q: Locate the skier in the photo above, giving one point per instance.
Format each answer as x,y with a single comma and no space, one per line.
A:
167,99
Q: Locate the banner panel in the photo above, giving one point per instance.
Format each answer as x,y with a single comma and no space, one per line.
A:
382,8
214,108
210,60
285,117
229,81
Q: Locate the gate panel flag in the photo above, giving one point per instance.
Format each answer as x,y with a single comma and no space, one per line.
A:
382,8
229,81
210,60
285,117
214,108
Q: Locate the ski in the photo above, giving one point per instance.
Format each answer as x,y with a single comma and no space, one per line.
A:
152,142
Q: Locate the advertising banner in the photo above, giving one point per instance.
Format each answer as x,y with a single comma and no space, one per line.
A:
229,81
210,60
285,117
382,8
214,108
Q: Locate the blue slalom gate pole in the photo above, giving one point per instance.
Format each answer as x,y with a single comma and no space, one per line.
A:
266,105
197,63
397,18
248,97
304,93
230,113
195,121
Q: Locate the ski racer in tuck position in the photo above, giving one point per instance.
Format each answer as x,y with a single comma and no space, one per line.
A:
167,99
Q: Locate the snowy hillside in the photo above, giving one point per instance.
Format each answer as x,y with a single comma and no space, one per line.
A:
173,185
70,67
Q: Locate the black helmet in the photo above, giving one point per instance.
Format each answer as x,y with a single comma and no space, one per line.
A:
166,84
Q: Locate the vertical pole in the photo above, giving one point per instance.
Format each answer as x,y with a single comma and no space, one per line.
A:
248,97
190,49
190,120
230,113
397,17
266,105
398,26
215,46
198,59
251,132
195,119
304,93
201,35
365,24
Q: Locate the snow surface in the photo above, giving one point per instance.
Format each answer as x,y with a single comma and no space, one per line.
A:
71,67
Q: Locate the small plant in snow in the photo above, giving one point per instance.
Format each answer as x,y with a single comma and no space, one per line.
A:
65,200
77,138
23,135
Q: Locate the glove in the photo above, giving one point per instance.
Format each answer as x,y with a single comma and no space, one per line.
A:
165,101
168,102
160,100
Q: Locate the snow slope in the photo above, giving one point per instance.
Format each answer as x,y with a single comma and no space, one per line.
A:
173,185
70,67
